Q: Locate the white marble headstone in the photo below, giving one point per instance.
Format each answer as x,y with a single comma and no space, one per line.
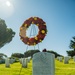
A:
21,60
7,63
69,57
66,60
74,58
28,60
60,59
24,63
43,63
12,61
57,57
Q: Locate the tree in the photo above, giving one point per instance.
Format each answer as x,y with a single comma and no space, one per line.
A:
55,53
6,34
72,46
17,55
71,53
72,43
30,53
2,56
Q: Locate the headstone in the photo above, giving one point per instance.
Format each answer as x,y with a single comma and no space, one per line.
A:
57,57
74,58
69,57
60,59
7,63
66,60
12,61
24,63
21,60
43,63
0,61
28,60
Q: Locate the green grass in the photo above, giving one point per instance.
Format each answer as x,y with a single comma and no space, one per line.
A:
15,69
60,69
64,69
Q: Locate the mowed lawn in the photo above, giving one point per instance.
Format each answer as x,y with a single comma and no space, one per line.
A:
60,68
65,69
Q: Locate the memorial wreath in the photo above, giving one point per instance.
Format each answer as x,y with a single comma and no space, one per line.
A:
41,33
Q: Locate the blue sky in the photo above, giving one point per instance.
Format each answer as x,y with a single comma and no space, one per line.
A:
59,16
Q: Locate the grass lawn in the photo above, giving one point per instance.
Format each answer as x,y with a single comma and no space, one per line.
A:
64,69
15,69
60,69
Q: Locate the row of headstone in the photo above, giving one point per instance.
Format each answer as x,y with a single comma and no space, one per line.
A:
21,60
24,62
60,58
66,59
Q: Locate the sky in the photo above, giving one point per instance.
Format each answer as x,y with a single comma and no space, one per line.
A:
59,16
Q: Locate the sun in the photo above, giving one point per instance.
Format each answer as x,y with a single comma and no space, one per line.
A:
8,3
6,8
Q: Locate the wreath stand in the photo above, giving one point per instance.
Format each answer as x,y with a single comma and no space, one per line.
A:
32,34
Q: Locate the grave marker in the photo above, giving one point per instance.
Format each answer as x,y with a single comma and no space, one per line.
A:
66,60
7,63
24,63
43,63
74,58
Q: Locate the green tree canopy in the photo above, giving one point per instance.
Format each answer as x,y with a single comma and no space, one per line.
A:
72,46
72,43
17,55
55,53
30,53
71,53
6,34
1,55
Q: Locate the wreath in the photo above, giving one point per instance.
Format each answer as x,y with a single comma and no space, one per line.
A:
41,33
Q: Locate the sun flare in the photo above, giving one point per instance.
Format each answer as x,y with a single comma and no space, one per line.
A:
8,3
6,8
